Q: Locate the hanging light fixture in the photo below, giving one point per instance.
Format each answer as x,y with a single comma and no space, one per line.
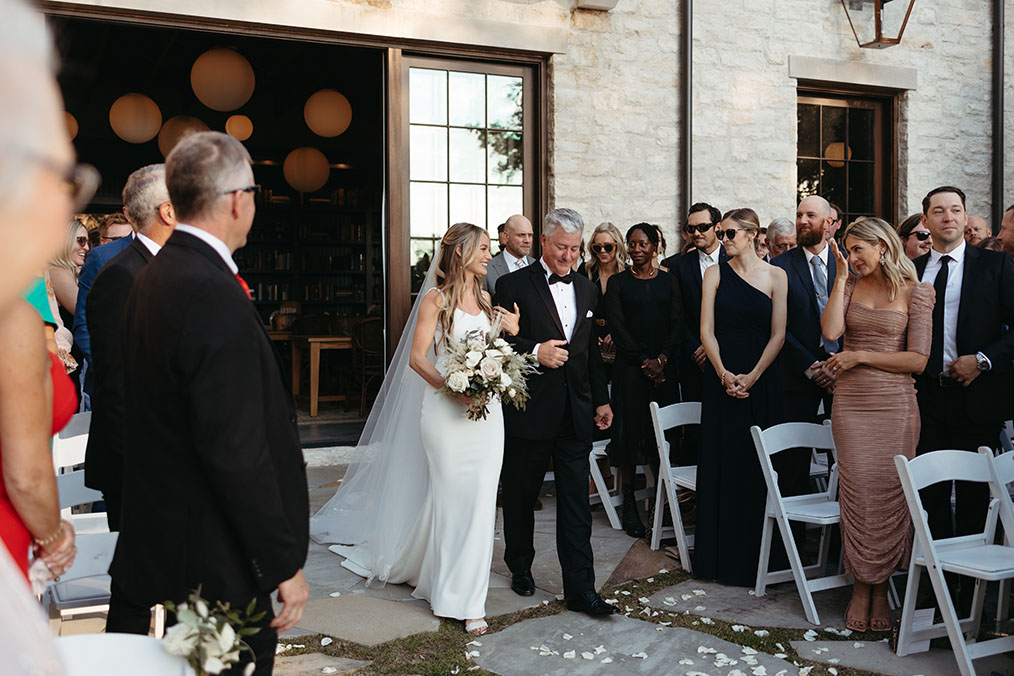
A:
327,113
836,153
222,79
71,123
175,128
878,23
240,127
306,169
135,118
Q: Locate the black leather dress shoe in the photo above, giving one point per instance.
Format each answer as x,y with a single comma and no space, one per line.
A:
590,603
523,584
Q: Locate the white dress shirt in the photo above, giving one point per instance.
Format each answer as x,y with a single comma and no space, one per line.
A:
952,295
566,305
215,243
512,262
707,260
150,244
822,256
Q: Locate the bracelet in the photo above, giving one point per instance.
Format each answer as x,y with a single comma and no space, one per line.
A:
51,539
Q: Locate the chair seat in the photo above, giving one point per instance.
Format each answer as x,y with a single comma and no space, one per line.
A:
118,655
599,448
684,477
986,562
822,512
817,469
85,591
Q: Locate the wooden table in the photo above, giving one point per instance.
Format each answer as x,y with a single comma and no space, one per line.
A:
315,345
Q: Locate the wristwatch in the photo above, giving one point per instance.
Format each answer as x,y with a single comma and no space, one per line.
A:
982,362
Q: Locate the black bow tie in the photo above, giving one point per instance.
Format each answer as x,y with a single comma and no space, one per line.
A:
565,279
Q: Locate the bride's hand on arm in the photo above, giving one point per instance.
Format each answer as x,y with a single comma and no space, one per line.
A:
509,321
422,339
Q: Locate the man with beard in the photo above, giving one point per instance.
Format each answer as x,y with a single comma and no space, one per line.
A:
811,271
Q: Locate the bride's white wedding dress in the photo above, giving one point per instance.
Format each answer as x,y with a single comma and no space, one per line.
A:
447,551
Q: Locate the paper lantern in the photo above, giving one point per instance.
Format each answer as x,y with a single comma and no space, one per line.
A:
327,113
240,127
71,123
306,169
837,151
175,128
135,118
222,79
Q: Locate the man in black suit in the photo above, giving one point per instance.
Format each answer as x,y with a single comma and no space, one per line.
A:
964,393
568,398
215,491
146,202
701,226
811,270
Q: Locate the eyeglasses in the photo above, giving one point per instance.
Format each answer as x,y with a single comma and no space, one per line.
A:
250,188
79,181
922,235
599,248
730,233
703,227
82,241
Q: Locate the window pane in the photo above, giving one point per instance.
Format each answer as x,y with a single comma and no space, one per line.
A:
468,204
808,178
421,255
503,203
467,99
832,127
468,159
504,102
861,133
505,157
427,90
832,183
861,192
808,131
427,153
427,209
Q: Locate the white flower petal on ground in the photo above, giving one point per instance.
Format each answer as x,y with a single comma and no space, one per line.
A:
587,656
686,597
702,650
665,624
473,668
567,637
569,655
669,601
810,635
625,593
640,656
472,653
834,660
752,593
858,644
456,670
783,672
612,602
780,647
644,600
759,671
781,656
707,620
750,660
736,672
606,660
650,579
738,628
475,643
326,641
335,595
804,671
700,608
329,670
747,650
700,592
599,649
832,671
761,633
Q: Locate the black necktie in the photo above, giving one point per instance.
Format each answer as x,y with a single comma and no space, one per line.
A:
565,279
935,365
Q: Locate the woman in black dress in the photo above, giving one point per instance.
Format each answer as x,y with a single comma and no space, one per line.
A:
644,314
742,330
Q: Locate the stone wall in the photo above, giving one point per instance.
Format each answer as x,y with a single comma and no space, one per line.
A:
744,101
1008,115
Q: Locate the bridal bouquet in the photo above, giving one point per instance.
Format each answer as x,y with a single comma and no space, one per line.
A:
210,639
482,366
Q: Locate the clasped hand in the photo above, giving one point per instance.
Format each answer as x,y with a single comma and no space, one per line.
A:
738,385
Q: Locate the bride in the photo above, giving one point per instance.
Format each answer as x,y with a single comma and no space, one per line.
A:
418,503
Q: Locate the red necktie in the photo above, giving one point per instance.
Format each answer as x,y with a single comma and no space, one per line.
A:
246,289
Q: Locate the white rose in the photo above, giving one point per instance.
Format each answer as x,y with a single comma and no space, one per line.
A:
457,381
507,350
495,355
489,369
472,358
180,639
213,665
500,343
512,393
505,380
476,345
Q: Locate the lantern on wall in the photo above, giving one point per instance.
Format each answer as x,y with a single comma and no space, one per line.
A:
175,128
327,113
135,118
71,123
306,169
240,127
222,79
878,23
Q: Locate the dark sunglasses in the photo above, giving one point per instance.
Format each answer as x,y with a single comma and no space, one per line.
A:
81,241
250,188
599,248
703,227
922,235
730,233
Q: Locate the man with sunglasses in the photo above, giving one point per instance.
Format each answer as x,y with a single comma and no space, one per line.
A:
515,254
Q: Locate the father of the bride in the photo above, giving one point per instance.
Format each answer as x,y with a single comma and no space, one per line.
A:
568,397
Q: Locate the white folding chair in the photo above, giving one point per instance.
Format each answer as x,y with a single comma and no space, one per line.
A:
674,480
69,444
820,509
84,588
1003,468
970,555
73,493
611,498
118,655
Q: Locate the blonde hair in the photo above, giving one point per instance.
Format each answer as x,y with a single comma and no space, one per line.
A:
895,265
459,247
65,259
621,248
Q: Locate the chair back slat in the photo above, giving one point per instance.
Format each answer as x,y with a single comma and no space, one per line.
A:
796,435
94,554
677,415
936,466
1004,464
70,443
73,491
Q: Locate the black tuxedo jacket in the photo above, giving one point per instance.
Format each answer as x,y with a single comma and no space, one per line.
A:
580,382
985,320
802,329
105,306
687,270
218,497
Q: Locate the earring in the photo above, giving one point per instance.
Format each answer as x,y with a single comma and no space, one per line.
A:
883,259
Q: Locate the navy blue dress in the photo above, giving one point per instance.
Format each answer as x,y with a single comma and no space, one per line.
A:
730,489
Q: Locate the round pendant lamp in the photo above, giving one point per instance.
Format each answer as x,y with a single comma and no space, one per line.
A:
306,169
240,127
175,128
222,79
71,123
836,152
327,113
135,118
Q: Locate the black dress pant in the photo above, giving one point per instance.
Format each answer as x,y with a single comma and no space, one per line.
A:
691,389
262,643
126,616
793,466
524,470
114,507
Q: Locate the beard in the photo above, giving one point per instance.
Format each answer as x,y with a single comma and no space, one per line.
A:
811,237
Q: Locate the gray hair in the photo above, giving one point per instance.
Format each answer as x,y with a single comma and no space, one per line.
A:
143,194
781,227
28,95
199,171
567,219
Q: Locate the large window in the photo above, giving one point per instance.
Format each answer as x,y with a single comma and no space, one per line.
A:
845,154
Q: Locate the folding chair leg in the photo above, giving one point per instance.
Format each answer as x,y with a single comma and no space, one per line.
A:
950,616
603,491
1003,601
978,597
798,574
908,609
656,524
681,535
824,550
765,556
